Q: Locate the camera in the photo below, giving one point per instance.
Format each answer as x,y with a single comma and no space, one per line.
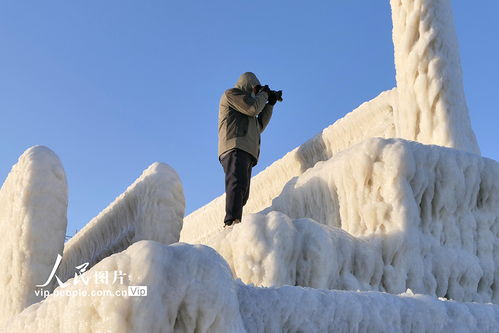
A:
272,93
277,94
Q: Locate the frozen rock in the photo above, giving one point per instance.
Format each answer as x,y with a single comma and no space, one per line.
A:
33,204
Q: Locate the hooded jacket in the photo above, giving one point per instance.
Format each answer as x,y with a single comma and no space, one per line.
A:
242,117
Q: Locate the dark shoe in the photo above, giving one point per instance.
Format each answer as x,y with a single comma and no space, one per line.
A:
231,223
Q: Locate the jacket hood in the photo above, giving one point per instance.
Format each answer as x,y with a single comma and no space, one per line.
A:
247,81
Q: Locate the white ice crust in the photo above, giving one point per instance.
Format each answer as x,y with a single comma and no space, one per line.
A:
151,208
431,106
33,205
273,250
190,289
431,212
371,119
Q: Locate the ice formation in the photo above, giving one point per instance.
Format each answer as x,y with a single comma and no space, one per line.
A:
346,226
151,208
371,119
431,106
191,289
33,205
273,250
433,211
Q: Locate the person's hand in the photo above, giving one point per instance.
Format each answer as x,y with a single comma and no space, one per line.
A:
266,89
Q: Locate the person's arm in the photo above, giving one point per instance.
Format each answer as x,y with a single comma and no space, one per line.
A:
264,116
246,104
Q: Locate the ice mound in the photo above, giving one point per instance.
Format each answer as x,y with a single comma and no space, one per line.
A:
33,204
190,289
151,208
273,250
432,212
371,119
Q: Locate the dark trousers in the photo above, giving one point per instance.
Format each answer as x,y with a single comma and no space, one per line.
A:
237,166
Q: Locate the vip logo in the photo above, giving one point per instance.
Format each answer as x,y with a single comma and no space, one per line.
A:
137,290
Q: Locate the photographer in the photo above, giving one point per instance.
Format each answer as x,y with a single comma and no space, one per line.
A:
245,111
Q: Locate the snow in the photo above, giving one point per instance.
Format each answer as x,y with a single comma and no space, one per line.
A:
373,118
431,103
151,208
33,204
191,289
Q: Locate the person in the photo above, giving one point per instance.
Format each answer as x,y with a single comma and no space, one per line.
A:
244,113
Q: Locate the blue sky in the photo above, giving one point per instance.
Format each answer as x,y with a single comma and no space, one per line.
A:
113,86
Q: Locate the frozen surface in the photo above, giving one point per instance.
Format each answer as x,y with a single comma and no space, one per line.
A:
432,212
33,203
296,309
373,118
190,289
431,103
151,208
273,250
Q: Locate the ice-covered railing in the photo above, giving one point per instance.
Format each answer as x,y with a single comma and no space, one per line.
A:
191,289
33,205
431,212
151,208
373,118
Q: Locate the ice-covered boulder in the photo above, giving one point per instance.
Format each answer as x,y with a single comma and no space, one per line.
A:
190,289
432,212
33,205
151,208
373,118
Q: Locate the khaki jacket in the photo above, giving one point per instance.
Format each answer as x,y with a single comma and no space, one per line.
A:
242,117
